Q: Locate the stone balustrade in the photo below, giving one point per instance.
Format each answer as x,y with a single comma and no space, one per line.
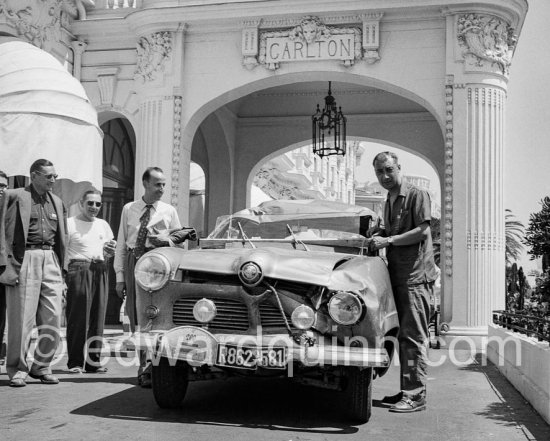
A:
116,4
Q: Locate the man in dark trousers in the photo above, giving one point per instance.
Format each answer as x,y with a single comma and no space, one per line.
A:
33,226
408,242
89,249
134,240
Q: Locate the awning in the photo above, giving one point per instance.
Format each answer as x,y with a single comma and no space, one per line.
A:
45,113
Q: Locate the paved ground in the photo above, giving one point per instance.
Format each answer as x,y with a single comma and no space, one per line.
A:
466,401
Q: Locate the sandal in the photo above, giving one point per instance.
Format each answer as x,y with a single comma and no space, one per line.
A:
75,370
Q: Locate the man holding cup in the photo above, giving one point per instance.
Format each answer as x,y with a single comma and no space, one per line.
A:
90,247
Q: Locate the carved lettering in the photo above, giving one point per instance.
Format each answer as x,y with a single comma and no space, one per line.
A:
310,40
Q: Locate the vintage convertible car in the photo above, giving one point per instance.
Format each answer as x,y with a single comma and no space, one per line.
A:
283,289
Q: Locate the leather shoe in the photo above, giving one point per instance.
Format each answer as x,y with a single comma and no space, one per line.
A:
392,399
408,405
45,379
99,370
17,382
144,380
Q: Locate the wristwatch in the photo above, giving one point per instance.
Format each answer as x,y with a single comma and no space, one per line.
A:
390,240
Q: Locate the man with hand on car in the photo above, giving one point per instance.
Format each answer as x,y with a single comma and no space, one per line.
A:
407,238
145,224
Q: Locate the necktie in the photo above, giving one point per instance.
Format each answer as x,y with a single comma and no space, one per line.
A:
142,233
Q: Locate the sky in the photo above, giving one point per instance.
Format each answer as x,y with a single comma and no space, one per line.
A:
527,137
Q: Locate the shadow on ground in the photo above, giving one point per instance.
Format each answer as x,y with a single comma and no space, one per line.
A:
512,409
270,404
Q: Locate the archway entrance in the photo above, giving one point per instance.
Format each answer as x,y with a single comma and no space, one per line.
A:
234,136
119,146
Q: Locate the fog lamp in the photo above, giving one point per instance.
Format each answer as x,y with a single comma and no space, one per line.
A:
303,317
345,308
204,310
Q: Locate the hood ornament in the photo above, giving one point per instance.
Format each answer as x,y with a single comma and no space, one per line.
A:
250,274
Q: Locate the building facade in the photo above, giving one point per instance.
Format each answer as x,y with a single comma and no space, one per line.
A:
228,84
300,174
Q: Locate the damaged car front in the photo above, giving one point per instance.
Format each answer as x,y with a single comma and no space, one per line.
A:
286,289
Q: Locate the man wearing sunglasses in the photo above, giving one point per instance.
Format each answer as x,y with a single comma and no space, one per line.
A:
89,249
33,236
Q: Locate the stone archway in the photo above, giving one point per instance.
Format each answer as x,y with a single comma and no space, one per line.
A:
261,121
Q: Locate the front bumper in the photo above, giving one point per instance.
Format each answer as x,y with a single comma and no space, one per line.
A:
197,346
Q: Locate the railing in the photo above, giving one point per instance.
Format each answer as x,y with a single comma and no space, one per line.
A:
116,4
530,325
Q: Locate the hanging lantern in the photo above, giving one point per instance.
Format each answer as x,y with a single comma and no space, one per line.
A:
329,128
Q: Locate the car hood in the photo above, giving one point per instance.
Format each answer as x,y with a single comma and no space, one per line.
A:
294,265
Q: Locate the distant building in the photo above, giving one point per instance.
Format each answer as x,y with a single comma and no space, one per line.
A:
300,174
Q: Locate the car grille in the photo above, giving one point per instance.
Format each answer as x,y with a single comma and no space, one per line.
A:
232,315
270,316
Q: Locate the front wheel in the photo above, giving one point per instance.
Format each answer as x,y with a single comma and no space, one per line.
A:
170,382
358,394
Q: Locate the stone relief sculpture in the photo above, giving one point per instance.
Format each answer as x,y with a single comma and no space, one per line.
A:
37,21
487,39
152,52
309,30
40,21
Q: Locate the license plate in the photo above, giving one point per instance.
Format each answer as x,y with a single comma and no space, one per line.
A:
245,357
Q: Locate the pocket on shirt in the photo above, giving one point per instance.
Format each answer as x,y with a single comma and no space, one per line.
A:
404,216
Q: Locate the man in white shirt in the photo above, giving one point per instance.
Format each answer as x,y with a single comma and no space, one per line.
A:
136,217
90,247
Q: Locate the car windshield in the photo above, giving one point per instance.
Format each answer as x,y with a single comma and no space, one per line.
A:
310,219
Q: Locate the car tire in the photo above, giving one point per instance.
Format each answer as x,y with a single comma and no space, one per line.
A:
359,394
170,382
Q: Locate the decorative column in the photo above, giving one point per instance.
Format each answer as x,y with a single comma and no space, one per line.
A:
480,48
485,229
158,79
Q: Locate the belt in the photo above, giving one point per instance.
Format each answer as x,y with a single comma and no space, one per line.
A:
145,250
39,247
85,261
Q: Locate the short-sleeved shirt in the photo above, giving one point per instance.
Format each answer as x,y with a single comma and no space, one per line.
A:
86,239
43,221
409,264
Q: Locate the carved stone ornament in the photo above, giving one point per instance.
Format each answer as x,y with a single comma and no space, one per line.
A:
37,21
152,53
487,40
310,40
176,150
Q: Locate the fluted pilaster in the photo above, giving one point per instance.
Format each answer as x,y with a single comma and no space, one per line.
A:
485,229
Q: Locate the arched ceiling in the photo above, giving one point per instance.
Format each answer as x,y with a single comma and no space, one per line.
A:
301,99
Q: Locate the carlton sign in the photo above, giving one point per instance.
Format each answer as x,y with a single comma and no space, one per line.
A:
310,40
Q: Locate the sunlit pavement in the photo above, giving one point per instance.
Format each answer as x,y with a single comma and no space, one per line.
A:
468,399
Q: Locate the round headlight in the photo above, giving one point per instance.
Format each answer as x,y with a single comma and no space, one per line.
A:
345,308
204,311
152,272
303,317
250,274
